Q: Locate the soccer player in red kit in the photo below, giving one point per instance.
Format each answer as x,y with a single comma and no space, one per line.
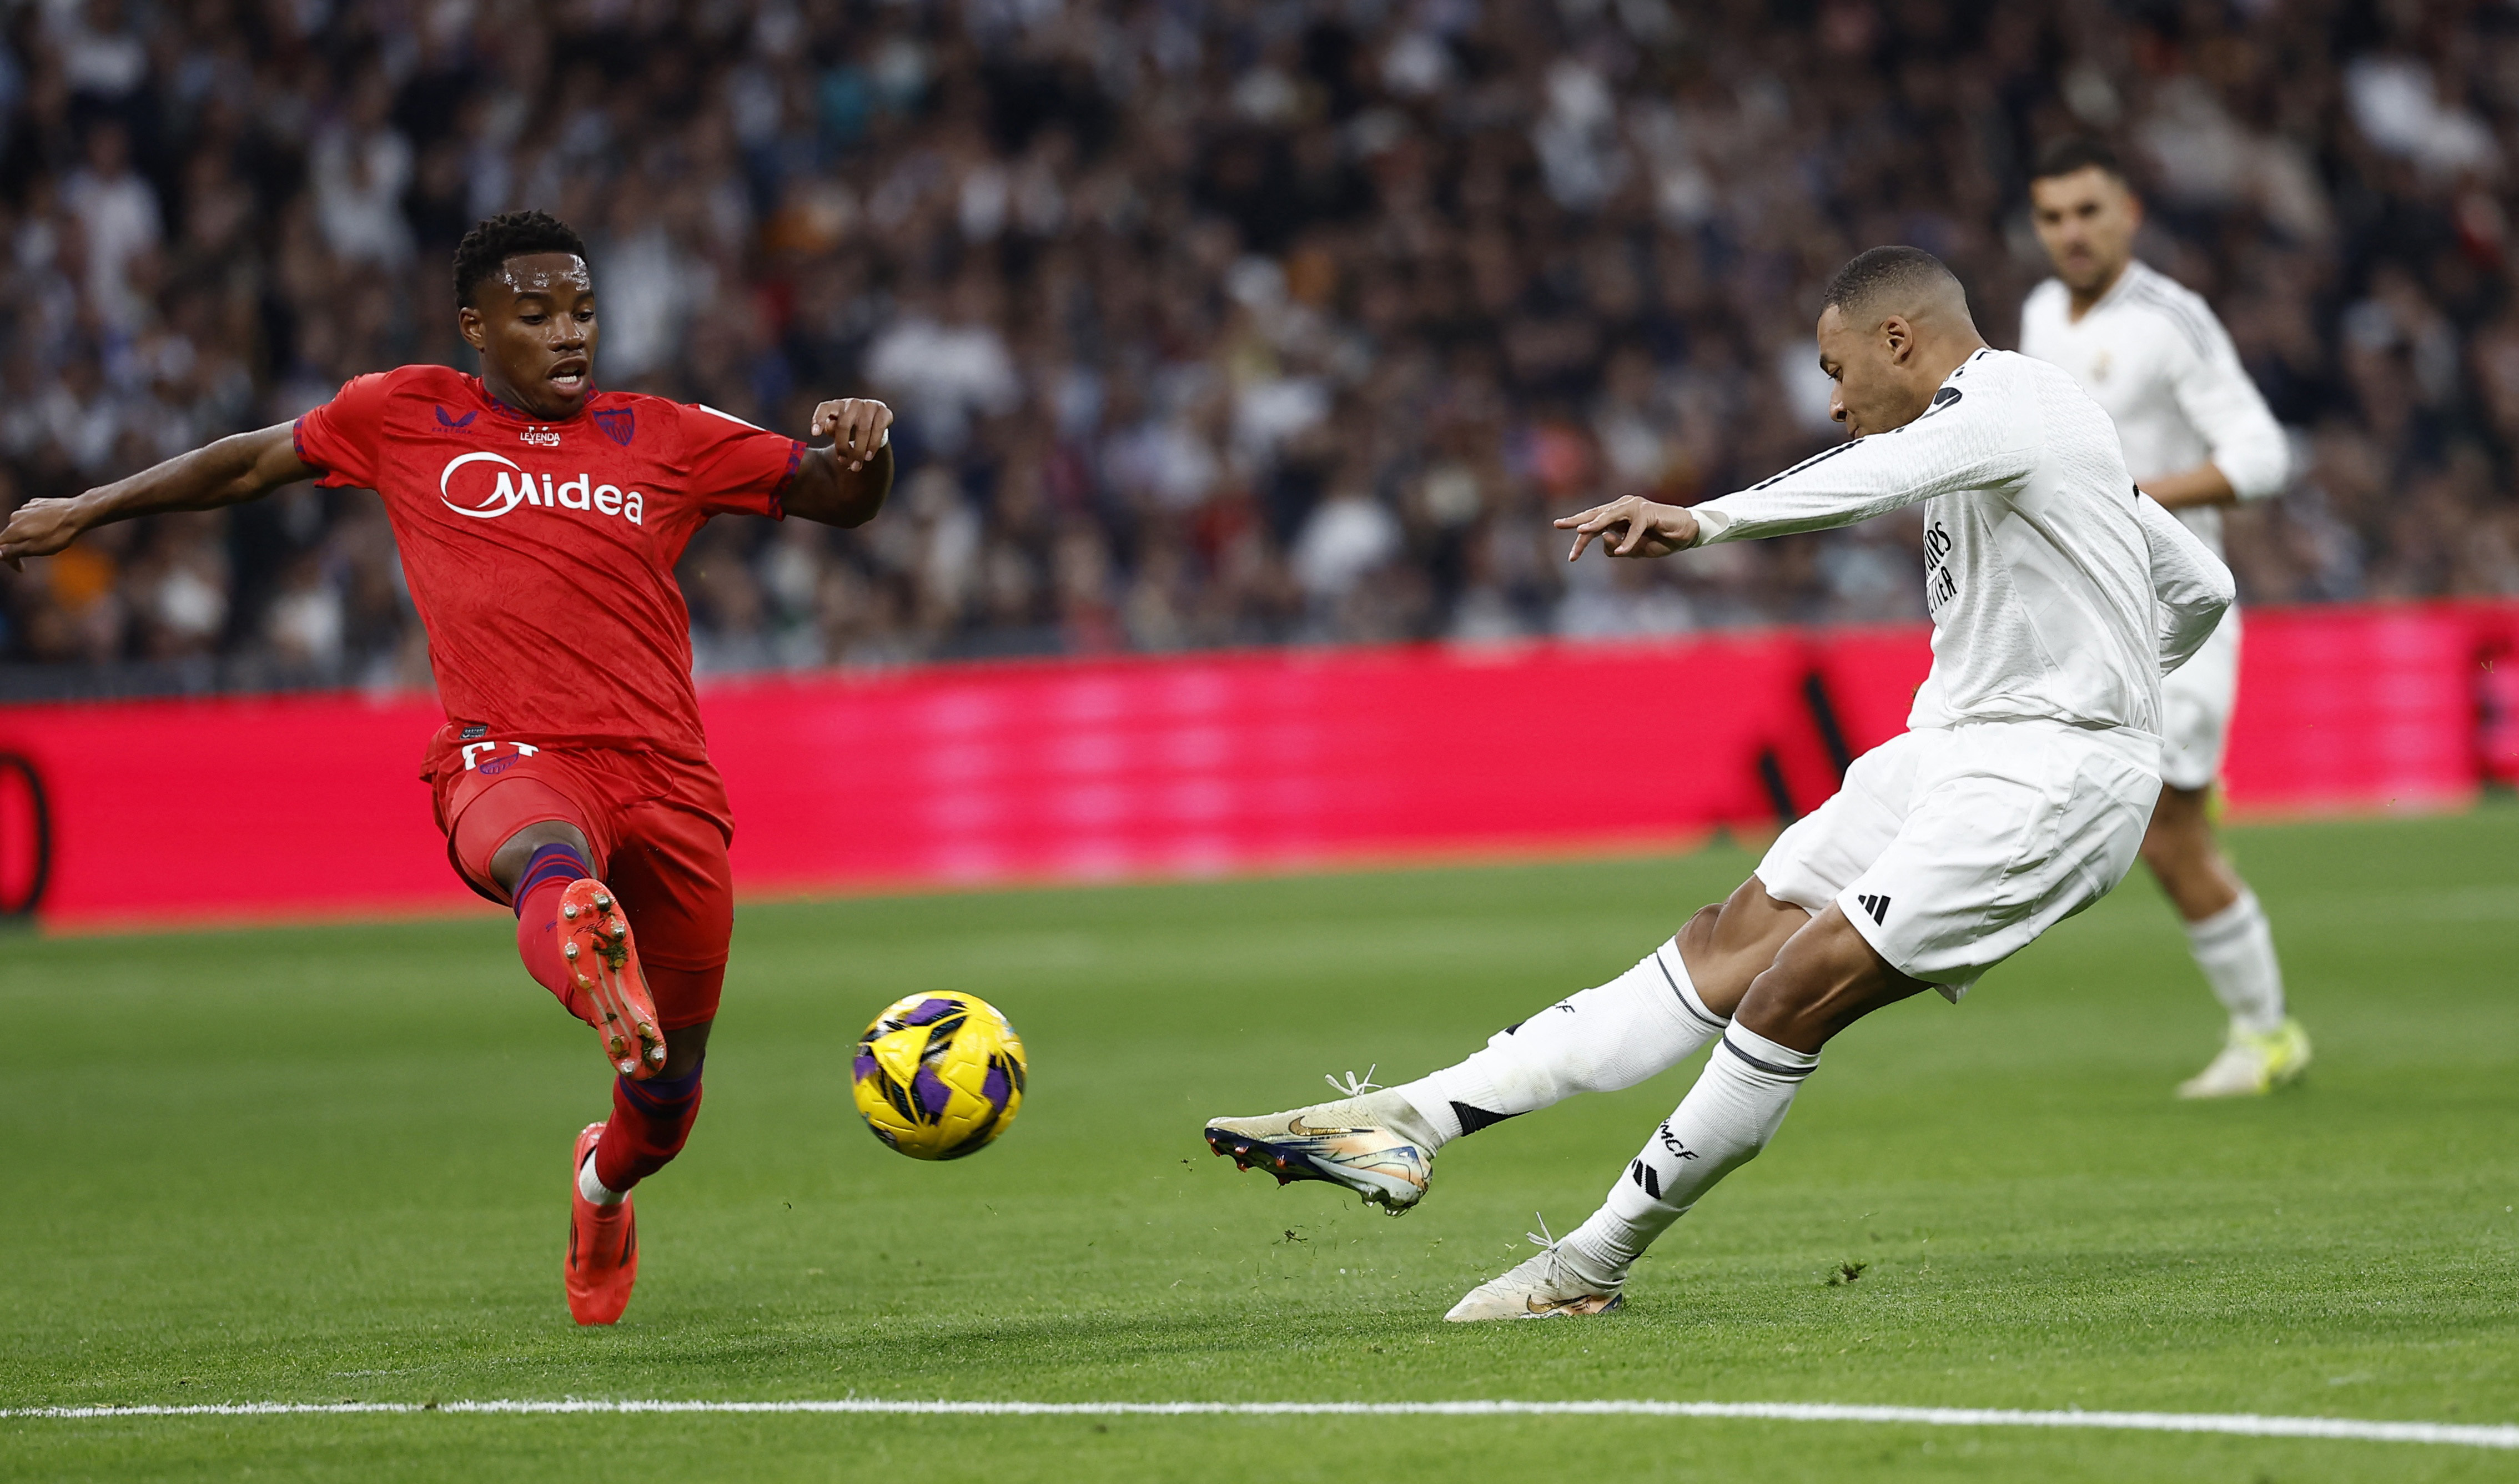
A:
538,521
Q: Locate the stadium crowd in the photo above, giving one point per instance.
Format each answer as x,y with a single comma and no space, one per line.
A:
1212,322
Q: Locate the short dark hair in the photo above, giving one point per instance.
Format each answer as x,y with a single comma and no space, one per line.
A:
1878,272
2072,152
508,235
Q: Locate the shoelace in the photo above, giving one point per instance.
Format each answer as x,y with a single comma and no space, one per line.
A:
1354,1086
1560,1270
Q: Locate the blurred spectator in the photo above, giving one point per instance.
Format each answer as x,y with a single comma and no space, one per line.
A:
360,168
118,221
1210,323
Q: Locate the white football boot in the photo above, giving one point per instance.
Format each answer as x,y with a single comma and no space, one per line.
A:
1558,1281
2252,1064
1371,1142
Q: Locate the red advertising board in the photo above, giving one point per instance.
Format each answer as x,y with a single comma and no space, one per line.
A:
168,812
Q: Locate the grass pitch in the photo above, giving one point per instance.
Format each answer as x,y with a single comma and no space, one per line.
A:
315,1165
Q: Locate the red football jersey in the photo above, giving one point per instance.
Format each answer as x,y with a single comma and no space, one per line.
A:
541,554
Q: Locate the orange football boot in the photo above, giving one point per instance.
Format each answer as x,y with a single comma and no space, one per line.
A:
605,959
602,1247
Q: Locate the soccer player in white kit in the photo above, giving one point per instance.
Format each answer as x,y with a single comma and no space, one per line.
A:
2197,436
2017,796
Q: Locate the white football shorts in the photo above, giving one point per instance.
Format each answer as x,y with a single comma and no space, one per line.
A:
2196,700
1951,849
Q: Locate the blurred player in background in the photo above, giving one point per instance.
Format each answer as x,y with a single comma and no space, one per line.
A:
2197,436
2017,795
538,520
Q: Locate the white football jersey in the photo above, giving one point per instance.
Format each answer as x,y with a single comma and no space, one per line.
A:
2152,353
2056,589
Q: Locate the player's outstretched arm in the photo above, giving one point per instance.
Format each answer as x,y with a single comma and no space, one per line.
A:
845,484
1961,442
237,469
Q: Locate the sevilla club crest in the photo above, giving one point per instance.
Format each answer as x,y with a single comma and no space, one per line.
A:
620,424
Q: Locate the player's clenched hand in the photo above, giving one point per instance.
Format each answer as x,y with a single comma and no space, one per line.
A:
1632,526
38,528
857,427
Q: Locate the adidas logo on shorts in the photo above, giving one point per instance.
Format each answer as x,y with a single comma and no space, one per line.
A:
1876,906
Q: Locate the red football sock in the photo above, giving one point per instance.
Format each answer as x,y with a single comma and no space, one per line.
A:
650,1122
538,935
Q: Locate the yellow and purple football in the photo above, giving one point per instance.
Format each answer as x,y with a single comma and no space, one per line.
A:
939,1075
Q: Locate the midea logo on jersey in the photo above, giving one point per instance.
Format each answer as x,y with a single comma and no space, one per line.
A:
516,488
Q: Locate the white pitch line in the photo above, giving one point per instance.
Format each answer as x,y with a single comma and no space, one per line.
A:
2234,1424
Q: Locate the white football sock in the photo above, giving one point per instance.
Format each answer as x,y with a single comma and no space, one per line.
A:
2235,949
1646,1020
1739,1102
593,1188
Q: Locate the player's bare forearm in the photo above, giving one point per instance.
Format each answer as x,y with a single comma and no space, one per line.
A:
237,469
845,484
1632,526
2203,485
839,491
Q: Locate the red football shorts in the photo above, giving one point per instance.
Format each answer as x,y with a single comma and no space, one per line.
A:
658,827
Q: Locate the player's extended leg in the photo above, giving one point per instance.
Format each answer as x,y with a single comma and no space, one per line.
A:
2234,947
1381,1142
1648,1020
576,940
672,876
1824,978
